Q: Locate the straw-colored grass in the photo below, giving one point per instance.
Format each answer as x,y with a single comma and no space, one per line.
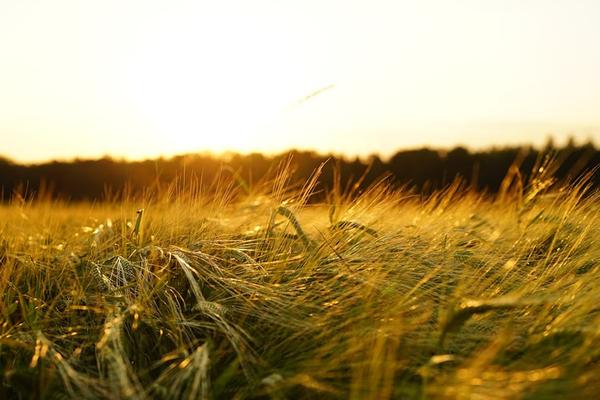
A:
256,292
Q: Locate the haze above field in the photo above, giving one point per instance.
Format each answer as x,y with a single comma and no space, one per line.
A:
145,78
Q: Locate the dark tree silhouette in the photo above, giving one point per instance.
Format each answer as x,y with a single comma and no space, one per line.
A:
423,169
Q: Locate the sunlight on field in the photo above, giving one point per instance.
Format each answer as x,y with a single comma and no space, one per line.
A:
316,199
259,293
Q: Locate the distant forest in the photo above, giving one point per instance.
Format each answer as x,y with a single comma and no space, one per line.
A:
423,170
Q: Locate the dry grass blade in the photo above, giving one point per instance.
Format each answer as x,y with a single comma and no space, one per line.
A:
286,212
466,309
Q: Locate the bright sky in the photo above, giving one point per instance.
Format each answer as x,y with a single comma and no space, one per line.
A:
142,78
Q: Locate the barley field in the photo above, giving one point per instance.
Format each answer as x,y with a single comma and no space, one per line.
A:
262,292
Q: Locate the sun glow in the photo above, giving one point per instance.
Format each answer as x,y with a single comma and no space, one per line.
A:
199,92
216,80
143,78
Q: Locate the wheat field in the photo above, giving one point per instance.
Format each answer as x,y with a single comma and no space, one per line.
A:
260,292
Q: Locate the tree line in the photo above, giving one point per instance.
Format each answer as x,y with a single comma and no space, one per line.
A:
424,170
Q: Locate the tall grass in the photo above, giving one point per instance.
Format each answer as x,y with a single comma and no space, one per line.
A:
256,292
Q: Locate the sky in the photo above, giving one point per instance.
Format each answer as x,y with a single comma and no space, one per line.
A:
143,78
